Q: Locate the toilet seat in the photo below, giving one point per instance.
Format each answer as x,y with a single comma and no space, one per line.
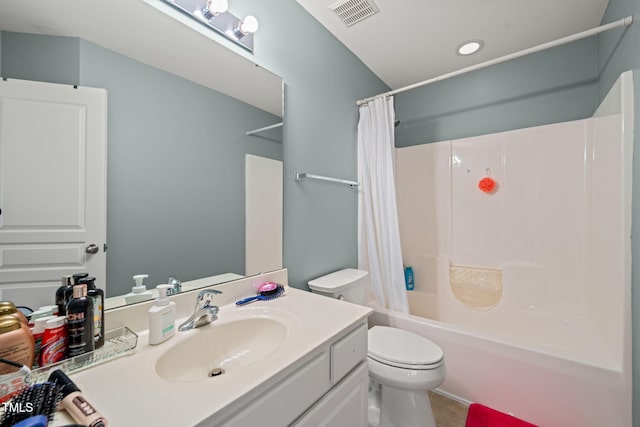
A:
403,349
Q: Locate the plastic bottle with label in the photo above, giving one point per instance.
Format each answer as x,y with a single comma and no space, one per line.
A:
408,278
80,322
162,317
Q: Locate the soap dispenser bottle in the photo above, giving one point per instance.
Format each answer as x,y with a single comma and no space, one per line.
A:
162,317
138,292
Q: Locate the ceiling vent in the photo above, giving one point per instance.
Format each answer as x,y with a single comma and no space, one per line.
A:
353,11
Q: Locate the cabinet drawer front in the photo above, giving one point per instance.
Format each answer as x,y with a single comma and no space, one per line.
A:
348,352
288,399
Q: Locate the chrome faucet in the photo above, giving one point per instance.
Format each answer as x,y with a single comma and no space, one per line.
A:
204,312
176,286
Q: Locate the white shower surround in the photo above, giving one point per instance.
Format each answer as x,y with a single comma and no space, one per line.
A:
556,350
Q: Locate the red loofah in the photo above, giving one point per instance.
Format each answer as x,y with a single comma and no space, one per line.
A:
487,185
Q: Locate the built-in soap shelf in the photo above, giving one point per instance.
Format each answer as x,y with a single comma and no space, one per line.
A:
117,342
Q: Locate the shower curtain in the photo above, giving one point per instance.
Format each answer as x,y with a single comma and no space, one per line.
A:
379,250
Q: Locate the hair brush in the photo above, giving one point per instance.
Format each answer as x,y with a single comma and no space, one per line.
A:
266,293
32,407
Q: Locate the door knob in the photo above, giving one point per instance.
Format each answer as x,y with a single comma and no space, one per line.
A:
92,249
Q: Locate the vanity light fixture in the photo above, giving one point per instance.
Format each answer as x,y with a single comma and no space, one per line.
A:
214,14
470,47
213,8
248,25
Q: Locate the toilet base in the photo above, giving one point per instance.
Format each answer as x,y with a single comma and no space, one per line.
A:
393,407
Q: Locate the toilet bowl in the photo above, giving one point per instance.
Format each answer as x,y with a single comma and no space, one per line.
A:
403,366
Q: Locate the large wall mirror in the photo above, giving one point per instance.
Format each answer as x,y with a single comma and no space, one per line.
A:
179,156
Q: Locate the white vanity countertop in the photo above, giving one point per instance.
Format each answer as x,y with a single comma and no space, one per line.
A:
129,392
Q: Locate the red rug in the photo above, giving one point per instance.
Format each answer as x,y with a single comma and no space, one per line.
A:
482,416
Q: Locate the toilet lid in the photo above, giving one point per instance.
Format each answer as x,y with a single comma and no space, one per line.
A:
402,347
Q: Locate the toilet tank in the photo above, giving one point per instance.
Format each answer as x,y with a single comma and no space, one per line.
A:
349,284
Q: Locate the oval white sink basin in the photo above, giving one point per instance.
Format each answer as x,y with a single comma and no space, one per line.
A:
225,347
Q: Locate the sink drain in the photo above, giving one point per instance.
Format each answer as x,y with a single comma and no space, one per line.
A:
215,372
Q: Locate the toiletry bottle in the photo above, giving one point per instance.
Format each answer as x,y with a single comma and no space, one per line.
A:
408,277
16,343
53,309
67,282
74,402
38,335
68,293
9,308
54,341
138,292
97,297
80,322
44,311
162,317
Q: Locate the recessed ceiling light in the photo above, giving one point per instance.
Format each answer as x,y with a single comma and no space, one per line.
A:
470,47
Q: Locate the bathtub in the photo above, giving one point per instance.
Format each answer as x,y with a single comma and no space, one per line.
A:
527,289
533,382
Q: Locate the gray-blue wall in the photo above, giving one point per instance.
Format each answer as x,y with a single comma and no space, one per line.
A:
176,152
323,82
618,51
41,58
552,86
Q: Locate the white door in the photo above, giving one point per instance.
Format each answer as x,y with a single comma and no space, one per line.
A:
52,188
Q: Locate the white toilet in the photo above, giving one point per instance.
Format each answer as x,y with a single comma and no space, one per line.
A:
403,366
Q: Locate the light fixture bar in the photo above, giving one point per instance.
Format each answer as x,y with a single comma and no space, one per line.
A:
225,23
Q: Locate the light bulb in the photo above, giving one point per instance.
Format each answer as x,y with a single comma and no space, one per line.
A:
249,25
216,7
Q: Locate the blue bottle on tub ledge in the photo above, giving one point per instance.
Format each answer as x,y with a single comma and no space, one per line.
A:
408,277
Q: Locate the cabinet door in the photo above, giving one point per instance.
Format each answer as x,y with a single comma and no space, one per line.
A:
284,402
344,405
52,187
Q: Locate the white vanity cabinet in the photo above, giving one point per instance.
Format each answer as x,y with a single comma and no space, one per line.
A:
307,369
344,405
328,387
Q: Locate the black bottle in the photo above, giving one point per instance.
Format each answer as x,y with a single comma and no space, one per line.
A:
68,293
67,282
80,322
97,297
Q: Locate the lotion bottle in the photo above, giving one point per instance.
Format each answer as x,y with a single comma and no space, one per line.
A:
16,343
54,341
38,335
162,317
9,308
138,292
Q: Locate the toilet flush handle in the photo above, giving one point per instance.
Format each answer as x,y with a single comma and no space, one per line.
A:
341,297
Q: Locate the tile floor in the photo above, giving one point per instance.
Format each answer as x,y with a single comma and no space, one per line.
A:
448,412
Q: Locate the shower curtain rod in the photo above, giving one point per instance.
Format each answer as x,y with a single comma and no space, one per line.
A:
616,24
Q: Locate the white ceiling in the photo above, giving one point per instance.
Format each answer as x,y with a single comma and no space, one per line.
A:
409,41
153,33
